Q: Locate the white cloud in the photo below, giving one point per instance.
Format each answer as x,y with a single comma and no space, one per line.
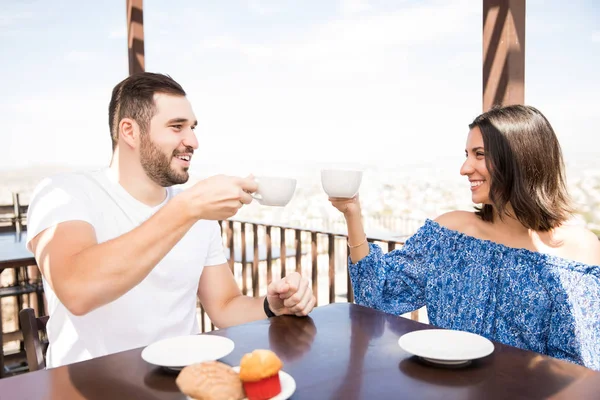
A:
263,7
64,128
255,53
332,92
223,42
352,44
81,56
596,37
12,18
354,6
118,33
412,26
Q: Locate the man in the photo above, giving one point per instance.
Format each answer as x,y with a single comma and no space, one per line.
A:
123,254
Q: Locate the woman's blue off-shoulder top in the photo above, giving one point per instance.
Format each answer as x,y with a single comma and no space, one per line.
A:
519,297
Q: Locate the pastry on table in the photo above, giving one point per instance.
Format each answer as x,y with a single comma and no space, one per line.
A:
210,380
259,372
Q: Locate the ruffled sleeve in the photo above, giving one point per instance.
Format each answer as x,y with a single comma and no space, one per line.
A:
574,333
395,282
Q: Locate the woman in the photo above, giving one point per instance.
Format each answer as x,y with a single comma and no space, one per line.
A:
513,271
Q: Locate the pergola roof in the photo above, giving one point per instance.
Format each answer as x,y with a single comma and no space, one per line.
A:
503,49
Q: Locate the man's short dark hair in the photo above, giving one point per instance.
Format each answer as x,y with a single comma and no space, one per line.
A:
134,98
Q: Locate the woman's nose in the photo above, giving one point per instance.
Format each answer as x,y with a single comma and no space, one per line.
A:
466,168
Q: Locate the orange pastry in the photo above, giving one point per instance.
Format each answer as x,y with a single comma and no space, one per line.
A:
210,380
259,372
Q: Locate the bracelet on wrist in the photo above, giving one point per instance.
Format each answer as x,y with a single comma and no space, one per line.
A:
268,312
358,245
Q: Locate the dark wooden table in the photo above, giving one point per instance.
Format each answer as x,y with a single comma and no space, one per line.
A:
342,351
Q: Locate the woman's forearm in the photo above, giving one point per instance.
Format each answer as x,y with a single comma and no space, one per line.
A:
357,239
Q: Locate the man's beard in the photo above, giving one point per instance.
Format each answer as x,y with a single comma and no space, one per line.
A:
158,166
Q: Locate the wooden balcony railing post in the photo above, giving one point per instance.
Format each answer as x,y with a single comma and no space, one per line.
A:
314,266
414,315
244,259
298,250
331,252
230,235
282,251
17,211
202,323
255,260
269,255
349,290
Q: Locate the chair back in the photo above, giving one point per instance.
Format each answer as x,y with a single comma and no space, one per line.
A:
35,348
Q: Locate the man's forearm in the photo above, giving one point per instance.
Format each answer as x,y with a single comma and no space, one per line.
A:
104,272
239,310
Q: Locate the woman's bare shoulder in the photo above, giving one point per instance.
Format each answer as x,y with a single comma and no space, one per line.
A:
466,222
583,243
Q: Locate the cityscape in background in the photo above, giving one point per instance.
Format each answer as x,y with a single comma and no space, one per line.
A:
395,200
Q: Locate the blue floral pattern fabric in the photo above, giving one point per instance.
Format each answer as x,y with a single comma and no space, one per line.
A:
519,297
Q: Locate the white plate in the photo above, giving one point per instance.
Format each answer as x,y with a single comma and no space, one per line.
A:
445,346
288,386
181,351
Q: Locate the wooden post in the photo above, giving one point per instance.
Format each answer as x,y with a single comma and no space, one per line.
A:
503,52
17,212
135,35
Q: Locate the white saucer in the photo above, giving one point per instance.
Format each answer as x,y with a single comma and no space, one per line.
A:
288,386
178,352
458,363
445,346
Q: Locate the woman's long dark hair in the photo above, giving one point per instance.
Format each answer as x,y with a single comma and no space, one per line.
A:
526,167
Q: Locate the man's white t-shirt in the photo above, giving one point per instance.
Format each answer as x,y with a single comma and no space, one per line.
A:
163,305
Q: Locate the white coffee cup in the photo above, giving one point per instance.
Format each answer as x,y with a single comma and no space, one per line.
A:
274,190
341,183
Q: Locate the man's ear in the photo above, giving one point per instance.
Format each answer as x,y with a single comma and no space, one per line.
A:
129,132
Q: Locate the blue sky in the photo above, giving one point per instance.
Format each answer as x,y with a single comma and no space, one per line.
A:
390,82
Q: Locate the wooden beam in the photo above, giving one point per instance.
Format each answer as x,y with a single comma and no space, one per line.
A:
135,35
503,52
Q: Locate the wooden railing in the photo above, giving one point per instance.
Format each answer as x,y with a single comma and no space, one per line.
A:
259,252
13,216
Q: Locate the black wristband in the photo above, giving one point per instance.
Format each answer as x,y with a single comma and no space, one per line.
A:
268,311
